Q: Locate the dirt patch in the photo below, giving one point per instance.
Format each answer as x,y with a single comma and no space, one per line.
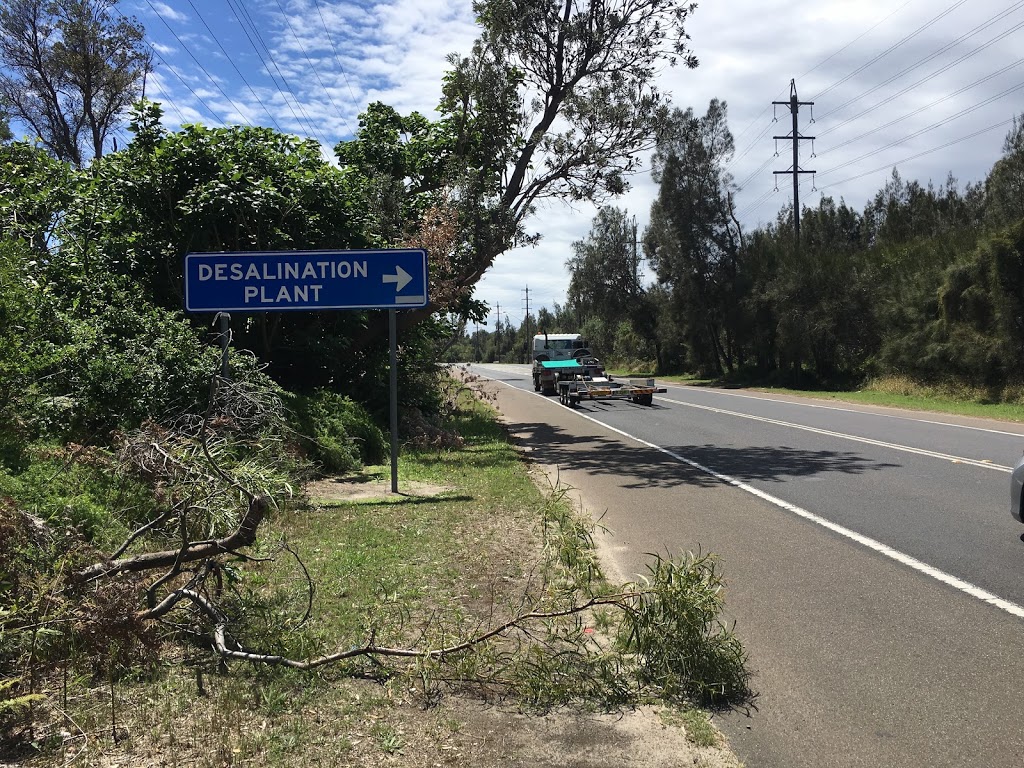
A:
362,488
471,734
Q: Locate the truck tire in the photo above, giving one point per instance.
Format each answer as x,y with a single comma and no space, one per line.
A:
536,383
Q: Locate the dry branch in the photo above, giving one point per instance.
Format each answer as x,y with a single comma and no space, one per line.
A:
243,536
229,650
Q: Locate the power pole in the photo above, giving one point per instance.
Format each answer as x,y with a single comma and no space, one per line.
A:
794,105
497,334
526,322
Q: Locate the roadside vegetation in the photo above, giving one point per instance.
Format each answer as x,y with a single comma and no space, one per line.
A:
163,577
390,581
918,289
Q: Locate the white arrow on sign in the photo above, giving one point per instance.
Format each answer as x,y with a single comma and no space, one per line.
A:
401,277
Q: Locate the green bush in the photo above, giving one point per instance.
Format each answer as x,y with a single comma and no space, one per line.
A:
77,487
337,432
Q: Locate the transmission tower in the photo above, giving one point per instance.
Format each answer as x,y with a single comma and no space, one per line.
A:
794,105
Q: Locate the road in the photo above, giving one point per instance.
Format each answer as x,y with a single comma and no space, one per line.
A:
872,567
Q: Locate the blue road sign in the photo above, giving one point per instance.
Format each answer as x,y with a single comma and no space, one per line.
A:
275,281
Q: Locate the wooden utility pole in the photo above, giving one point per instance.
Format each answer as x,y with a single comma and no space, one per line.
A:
529,339
794,105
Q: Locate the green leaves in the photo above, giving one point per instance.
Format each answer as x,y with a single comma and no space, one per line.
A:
682,646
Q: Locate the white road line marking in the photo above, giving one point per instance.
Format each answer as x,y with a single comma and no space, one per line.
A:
866,541
986,463
847,410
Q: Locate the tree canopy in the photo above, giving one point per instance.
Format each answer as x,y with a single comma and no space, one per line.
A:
556,100
69,70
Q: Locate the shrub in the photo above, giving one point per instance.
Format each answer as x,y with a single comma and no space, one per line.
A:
682,646
78,487
337,432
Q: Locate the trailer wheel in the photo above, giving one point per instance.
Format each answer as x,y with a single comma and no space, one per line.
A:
646,399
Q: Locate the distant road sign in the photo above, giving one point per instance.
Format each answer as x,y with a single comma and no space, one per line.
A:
275,281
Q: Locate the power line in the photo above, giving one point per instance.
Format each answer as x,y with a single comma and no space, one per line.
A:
163,61
316,72
757,171
337,56
948,144
781,93
917,111
751,207
931,56
928,128
197,62
237,70
893,47
242,14
862,34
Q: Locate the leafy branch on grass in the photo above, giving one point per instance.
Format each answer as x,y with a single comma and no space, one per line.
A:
670,640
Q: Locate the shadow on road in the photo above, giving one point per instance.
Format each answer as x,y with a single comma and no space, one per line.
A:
642,467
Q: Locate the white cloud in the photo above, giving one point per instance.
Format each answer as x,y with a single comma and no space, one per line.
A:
169,13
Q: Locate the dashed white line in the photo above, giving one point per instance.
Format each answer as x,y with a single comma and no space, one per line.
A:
846,436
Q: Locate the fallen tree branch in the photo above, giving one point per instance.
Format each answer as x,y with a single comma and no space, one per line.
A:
230,650
243,536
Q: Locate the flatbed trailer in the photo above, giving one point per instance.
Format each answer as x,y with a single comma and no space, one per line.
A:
576,381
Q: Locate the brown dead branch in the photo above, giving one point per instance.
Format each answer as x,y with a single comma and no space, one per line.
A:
228,649
243,536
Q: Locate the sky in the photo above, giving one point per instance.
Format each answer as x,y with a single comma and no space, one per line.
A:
929,88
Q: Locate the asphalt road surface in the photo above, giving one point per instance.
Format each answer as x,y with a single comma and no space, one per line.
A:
873,570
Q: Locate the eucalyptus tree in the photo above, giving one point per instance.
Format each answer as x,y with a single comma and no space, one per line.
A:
693,240
1004,187
69,70
557,100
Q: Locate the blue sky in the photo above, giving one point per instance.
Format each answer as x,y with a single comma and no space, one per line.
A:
929,88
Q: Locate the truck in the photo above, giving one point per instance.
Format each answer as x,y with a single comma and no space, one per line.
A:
563,363
555,347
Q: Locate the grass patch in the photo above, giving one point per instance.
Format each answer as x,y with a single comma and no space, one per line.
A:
896,392
695,722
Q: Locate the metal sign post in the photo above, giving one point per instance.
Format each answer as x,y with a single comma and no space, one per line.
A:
393,344
291,281
224,326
